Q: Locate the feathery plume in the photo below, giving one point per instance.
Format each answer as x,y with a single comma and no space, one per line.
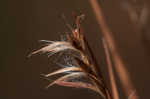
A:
85,63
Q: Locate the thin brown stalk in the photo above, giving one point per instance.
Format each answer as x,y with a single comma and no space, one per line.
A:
119,64
110,71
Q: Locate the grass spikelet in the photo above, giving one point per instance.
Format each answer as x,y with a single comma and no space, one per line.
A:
85,65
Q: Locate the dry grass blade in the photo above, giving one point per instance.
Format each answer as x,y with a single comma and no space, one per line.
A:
78,85
119,64
110,71
63,70
67,77
55,47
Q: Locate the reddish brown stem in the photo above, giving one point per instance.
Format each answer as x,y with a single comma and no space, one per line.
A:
110,71
119,64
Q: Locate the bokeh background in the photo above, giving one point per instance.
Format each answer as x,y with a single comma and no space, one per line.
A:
24,22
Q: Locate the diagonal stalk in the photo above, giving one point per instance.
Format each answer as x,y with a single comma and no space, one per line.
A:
110,71
119,64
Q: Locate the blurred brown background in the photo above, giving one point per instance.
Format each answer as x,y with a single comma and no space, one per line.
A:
25,22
